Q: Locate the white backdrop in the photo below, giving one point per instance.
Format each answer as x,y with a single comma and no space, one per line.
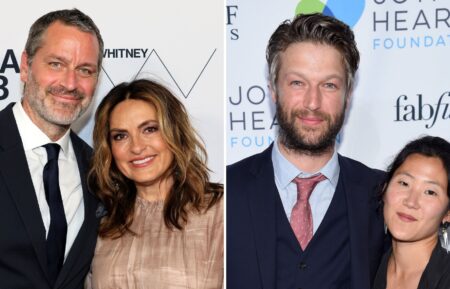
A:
179,43
403,84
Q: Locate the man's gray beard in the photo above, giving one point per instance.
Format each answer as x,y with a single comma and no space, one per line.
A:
32,91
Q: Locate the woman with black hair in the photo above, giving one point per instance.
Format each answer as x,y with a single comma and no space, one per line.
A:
415,201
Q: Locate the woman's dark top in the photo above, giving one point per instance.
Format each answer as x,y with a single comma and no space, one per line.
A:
435,276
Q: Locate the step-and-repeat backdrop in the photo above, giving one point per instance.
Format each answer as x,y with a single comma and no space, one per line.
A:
403,84
179,43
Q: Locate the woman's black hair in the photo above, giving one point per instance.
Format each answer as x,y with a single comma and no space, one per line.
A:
429,146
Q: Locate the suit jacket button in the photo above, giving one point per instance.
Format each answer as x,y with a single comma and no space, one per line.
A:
303,266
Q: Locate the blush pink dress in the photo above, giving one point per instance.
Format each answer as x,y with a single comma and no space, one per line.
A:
158,257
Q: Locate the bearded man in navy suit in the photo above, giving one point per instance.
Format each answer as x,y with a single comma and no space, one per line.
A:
312,63
48,217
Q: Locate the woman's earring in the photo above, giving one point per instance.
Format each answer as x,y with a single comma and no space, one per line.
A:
385,229
444,234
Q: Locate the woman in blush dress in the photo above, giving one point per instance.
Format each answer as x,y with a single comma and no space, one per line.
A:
415,207
164,219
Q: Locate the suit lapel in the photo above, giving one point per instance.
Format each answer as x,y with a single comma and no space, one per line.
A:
358,206
262,205
79,252
16,175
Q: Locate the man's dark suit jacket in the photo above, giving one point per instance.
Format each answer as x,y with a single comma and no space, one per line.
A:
251,229
23,261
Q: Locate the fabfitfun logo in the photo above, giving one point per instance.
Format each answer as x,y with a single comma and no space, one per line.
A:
422,109
348,11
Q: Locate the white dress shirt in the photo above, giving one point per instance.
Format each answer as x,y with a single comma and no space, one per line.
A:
69,177
321,196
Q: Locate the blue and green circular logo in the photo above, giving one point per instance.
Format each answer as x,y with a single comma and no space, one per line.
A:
348,11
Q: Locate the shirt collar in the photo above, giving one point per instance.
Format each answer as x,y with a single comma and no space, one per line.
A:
285,171
32,136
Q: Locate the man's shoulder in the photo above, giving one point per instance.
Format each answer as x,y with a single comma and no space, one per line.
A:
80,145
254,169
250,164
359,169
8,126
7,111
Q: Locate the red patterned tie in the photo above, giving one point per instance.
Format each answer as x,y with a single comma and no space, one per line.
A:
301,217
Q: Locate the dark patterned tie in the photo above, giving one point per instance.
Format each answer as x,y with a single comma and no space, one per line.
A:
301,216
56,237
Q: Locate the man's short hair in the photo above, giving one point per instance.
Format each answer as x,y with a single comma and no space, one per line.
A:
315,28
72,17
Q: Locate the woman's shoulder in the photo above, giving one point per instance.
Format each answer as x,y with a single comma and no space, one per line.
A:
213,204
211,211
436,274
444,268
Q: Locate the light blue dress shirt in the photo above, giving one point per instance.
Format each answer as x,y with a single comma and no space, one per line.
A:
323,193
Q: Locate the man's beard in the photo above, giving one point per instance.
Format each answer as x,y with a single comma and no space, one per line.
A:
37,96
299,140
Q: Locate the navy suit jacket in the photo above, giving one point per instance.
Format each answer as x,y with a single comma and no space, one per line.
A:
251,217
23,260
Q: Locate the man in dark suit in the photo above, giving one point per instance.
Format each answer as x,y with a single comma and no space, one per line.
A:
299,215
47,214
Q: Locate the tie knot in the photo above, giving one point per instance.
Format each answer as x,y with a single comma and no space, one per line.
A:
305,186
52,151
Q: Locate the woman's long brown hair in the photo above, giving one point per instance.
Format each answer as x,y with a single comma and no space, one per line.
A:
191,189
